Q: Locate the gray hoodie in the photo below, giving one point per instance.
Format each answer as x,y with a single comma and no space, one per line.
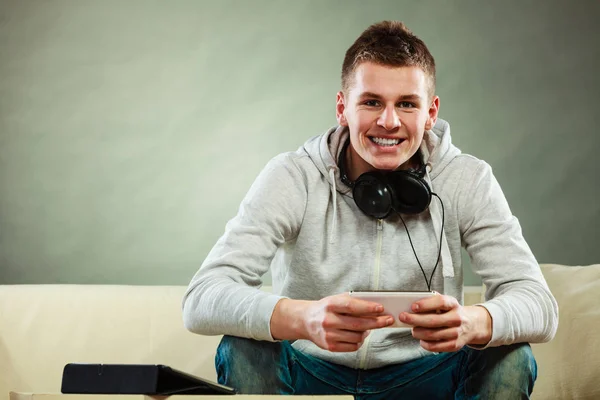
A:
300,220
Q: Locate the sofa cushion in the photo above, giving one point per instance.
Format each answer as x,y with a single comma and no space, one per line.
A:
44,327
568,366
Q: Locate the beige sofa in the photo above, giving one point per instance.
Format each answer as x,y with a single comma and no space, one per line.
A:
43,327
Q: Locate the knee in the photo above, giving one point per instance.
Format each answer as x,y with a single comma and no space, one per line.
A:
242,354
248,365
505,372
238,348
518,360
513,363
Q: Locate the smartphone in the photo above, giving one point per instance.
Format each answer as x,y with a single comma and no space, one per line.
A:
393,303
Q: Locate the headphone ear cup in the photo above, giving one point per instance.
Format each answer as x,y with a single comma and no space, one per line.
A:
410,193
373,195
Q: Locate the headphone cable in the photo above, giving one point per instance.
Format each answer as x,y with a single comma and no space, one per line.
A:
428,282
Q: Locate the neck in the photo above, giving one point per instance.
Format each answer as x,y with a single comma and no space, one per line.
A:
354,165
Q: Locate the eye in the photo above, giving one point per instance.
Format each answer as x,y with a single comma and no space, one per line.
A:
406,104
371,103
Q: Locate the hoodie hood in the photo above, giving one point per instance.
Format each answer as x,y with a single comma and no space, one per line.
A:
437,151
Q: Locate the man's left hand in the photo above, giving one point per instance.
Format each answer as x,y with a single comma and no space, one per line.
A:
443,325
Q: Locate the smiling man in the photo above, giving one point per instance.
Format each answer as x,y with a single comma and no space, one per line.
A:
380,202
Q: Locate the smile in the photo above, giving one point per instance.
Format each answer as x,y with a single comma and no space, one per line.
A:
385,142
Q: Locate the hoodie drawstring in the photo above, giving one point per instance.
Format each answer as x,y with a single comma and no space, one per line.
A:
436,219
334,196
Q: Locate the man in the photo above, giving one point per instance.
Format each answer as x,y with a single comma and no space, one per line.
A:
309,217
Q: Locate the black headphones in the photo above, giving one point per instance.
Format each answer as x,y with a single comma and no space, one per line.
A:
377,193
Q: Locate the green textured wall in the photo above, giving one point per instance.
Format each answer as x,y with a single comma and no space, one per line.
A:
130,130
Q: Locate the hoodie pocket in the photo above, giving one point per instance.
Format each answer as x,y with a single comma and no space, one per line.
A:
396,341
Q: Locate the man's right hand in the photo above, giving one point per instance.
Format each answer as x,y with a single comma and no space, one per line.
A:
337,323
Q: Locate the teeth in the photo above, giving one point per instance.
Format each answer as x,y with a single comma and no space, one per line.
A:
385,142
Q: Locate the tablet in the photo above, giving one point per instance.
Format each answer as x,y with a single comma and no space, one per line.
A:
393,303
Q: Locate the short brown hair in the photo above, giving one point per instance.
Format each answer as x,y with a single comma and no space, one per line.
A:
388,43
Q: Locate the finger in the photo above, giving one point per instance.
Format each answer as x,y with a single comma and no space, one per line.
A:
341,347
360,324
434,303
344,304
435,334
344,341
341,335
431,320
445,346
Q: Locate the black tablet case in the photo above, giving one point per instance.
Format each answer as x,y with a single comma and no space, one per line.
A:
151,379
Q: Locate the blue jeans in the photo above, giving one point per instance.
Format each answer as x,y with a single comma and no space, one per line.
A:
258,367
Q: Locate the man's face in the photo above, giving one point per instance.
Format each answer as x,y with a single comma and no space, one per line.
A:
387,110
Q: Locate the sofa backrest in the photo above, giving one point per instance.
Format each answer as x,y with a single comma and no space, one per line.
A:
44,327
569,365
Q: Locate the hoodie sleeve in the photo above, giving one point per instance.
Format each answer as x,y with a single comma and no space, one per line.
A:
517,295
224,296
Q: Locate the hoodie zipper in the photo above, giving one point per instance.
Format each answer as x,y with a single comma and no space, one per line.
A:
377,264
376,273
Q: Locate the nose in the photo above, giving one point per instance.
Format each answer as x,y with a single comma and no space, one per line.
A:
389,119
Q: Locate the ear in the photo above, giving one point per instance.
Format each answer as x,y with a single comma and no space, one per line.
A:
340,107
434,109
